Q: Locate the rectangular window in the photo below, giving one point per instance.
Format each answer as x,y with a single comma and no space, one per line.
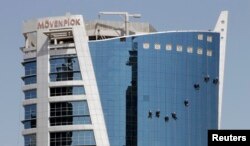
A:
190,50
64,68
146,45
73,138
30,68
30,116
157,46
65,76
69,113
179,48
209,52
30,94
200,36
199,51
30,72
70,90
168,47
30,140
29,80
209,39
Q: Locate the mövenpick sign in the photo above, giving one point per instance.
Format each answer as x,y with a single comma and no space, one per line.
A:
49,24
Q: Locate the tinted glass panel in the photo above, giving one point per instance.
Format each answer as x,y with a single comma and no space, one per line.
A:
30,68
29,80
30,140
65,76
71,90
73,138
69,113
30,116
29,94
64,64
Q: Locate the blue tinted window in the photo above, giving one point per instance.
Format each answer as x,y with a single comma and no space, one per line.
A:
69,113
29,94
30,72
70,90
63,68
30,140
64,64
29,80
30,116
73,138
65,76
30,68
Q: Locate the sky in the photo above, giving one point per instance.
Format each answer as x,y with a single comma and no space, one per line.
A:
162,14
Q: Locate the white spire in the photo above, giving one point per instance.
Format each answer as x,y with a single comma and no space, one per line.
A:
221,27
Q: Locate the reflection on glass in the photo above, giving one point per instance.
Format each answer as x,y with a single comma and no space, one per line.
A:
63,68
30,68
30,94
30,72
30,116
70,90
30,140
73,138
69,113
131,100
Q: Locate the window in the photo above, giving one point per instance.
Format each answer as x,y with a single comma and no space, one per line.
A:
30,72
209,39
145,45
29,80
29,94
73,138
157,46
30,140
70,90
179,48
69,113
64,68
190,50
168,47
199,51
209,52
30,116
30,68
200,36
65,76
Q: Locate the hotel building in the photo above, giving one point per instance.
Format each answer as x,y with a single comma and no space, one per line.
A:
110,83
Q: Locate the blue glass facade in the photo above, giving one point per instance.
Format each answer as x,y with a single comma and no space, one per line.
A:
113,78
158,89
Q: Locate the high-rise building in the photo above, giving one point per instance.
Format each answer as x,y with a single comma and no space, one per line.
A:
98,84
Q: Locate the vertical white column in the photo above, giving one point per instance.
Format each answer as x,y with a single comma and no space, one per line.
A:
42,90
221,27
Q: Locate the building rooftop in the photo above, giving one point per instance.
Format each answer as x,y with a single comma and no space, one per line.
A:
109,29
